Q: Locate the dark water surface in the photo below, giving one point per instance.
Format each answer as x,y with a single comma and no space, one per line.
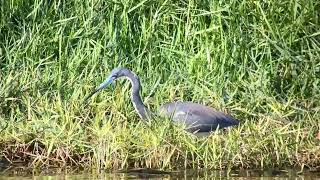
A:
58,174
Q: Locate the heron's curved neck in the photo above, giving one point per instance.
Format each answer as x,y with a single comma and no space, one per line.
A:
141,109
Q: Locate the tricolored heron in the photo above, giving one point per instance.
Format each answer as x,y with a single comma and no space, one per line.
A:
196,117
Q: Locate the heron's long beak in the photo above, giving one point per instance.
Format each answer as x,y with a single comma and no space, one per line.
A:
103,85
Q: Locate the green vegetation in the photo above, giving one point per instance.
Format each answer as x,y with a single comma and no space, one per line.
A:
260,60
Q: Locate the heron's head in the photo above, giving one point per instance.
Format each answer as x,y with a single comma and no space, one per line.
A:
115,74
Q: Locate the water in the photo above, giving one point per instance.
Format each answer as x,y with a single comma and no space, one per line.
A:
58,174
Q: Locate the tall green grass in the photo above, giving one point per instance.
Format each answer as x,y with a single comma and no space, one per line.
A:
258,60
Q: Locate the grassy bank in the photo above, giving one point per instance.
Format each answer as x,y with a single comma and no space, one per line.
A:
260,61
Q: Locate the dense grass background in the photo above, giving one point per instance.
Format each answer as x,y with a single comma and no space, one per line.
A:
258,60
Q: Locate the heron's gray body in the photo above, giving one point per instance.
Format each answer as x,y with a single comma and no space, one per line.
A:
196,117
